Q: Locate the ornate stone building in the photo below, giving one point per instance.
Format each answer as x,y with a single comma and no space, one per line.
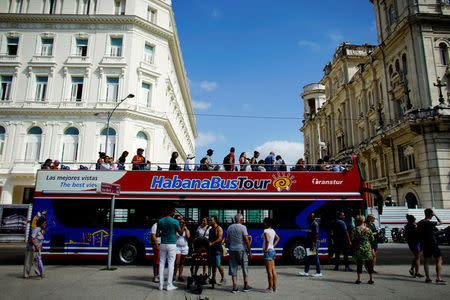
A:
65,64
383,104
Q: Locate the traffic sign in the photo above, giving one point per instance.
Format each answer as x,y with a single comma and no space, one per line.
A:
108,188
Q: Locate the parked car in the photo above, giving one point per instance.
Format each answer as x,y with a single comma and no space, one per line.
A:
443,236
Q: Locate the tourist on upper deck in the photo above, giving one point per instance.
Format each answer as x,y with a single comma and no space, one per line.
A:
209,163
254,161
107,164
47,165
55,165
261,166
203,165
138,160
324,165
121,161
173,162
189,163
270,161
228,161
335,167
243,161
100,160
300,165
280,165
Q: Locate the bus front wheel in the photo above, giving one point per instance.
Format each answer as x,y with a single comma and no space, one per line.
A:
297,252
127,253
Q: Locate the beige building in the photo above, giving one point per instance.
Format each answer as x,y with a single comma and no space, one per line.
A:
382,103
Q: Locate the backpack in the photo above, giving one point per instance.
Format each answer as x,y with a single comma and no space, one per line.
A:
227,162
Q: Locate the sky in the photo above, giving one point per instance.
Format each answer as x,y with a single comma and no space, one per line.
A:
247,62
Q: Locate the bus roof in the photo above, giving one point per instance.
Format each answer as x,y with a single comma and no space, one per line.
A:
185,184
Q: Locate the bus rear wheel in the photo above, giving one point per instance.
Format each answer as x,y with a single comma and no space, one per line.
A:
297,252
127,253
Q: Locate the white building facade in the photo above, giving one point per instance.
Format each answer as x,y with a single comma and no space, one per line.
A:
65,64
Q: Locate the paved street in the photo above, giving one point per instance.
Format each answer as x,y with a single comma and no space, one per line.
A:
73,281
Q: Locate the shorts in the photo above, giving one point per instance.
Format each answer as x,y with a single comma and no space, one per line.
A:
238,258
432,251
155,255
183,250
270,254
215,259
415,247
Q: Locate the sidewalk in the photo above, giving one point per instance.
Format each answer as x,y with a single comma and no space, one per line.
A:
134,282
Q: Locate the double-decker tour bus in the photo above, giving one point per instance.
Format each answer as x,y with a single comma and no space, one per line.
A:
78,217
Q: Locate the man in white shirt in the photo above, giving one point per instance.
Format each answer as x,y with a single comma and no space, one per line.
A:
189,163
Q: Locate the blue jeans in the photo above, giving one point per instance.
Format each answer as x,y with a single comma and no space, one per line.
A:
313,259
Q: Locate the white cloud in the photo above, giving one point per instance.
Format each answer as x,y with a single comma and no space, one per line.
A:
336,37
310,44
208,85
289,151
201,105
208,138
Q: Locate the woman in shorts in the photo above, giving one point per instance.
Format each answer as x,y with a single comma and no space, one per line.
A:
182,251
270,240
412,238
374,243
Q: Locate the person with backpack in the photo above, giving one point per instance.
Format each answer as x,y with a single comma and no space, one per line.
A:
228,161
280,165
362,236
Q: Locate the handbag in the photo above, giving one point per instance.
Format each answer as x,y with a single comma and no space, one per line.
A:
223,250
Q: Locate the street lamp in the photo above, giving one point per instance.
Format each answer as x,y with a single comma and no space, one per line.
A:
109,117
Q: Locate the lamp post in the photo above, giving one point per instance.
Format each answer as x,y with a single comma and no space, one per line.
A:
440,85
109,118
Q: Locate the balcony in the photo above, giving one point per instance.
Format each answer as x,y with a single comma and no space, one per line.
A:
405,177
10,60
70,104
82,61
113,60
379,183
44,61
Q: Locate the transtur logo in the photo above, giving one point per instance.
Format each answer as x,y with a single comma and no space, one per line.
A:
333,182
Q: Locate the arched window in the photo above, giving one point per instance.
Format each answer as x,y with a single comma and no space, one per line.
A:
142,142
443,51
70,145
397,66
2,140
111,142
33,144
405,64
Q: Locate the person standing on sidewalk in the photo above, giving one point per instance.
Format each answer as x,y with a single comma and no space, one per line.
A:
342,242
167,229
426,229
362,236
156,242
33,260
313,243
270,240
374,243
412,238
237,239
215,244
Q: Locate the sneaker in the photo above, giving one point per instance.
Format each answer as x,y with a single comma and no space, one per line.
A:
418,275
247,288
160,288
180,279
370,282
358,282
348,269
411,271
302,273
428,280
171,287
317,275
222,281
234,290
156,279
274,290
442,282
268,291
